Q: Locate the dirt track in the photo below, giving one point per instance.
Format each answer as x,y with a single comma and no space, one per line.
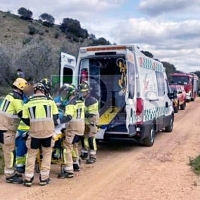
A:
130,172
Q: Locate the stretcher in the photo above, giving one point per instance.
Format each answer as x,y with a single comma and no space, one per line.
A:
59,160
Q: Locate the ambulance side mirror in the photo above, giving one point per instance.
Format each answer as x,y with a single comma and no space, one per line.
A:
172,95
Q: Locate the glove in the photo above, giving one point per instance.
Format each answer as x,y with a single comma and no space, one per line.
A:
63,130
25,135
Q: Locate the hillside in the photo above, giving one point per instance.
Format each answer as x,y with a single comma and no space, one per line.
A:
14,32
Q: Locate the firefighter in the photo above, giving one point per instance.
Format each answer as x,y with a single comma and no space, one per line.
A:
74,118
60,100
47,84
21,149
10,114
89,146
39,113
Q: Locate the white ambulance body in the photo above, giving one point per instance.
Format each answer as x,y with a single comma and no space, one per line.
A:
132,90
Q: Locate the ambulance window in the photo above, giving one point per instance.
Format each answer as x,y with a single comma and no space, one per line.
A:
131,78
68,74
160,83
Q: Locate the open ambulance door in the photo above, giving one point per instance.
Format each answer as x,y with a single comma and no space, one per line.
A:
130,96
67,69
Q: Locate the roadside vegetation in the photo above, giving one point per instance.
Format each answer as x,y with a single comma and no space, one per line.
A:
195,164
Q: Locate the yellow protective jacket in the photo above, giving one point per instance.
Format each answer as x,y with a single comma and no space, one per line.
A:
91,110
11,112
40,111
74,117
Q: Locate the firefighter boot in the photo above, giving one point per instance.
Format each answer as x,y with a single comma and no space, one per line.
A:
76,165
91,160
28,183
16,179
84,154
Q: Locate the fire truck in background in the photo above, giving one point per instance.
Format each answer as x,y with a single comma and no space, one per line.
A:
190,82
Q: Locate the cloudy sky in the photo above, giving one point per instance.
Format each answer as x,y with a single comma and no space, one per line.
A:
170,29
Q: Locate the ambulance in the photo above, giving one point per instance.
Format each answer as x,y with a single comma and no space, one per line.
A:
132,89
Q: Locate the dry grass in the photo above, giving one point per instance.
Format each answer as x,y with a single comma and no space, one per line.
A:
15,30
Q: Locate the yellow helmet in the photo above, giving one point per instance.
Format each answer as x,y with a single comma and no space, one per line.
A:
20,83
84,86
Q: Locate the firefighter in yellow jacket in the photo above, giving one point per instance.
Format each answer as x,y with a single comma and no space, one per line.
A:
10,114
39,113
74,118
89,146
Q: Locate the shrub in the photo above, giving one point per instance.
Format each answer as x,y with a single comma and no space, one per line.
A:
41,32
26,40
195,164
56,34
32,30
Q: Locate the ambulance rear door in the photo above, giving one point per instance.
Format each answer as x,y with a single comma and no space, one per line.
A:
131,95
67,69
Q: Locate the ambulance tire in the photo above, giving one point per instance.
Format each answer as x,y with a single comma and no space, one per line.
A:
176,109
183,106
149,140
169,128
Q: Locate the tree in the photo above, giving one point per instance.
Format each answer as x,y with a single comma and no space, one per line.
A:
37,59
100,41
47,19
25,13
6,68
170,68
73,27
148,54
92,37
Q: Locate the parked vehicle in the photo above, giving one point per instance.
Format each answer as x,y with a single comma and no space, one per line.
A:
132,89
180,101
190,82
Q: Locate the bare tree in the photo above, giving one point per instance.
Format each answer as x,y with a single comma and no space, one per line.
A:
36,59
6,68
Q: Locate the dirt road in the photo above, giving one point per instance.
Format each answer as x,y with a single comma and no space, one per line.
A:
130,172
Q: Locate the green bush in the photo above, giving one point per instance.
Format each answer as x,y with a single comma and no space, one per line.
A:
195,164
32,29
56,34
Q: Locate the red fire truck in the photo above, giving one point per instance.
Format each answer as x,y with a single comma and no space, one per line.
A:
190,82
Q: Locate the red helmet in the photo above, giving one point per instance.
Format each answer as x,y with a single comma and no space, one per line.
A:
84,75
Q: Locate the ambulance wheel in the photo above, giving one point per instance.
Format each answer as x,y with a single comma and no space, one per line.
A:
37,167
149,140
183,106
169,128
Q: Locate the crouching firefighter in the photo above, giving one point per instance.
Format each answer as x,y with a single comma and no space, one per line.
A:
10,114
74,118
39,113
88,142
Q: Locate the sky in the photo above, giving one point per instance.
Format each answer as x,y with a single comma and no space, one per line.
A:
169,29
